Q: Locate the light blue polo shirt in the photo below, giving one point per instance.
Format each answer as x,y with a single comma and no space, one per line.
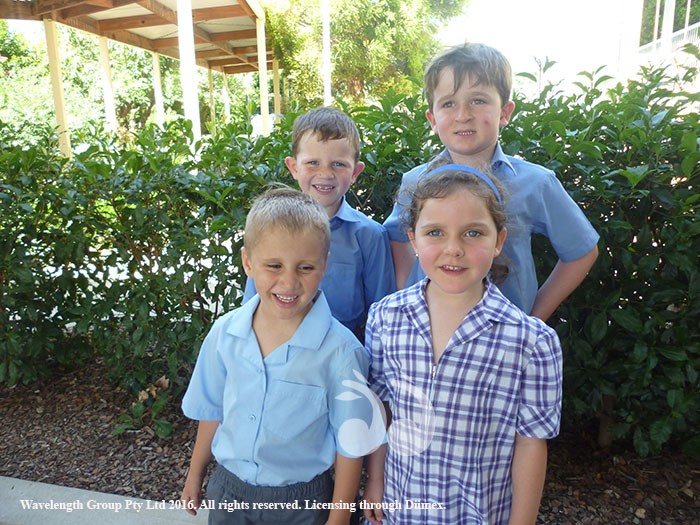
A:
280,416
360,268
536,203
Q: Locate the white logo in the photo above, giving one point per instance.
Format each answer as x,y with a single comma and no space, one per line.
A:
408,437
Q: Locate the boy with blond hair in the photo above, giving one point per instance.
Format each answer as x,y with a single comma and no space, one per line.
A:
268,388
325,161
468,90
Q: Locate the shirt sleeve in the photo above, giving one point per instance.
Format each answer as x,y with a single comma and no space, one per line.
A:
373,344
204,397
563,222
394,222
355,413
539,414
378,266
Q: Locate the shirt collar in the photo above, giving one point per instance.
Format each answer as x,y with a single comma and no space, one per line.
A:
311,331
499,161
345,213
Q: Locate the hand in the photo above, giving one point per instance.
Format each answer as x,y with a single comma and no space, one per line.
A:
191,497
374,494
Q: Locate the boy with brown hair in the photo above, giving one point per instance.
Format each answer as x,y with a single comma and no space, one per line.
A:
325,161
468,90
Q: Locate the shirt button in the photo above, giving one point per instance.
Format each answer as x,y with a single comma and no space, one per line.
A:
252,418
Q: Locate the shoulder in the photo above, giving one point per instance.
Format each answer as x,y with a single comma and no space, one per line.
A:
502,311
400,299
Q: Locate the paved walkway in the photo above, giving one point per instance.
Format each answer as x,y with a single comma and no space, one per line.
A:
31,503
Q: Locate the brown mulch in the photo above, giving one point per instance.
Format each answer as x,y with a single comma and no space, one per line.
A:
59,432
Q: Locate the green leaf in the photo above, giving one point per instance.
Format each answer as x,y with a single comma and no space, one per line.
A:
163,428
674,354
628,320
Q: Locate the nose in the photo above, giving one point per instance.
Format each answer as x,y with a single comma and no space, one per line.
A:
288,279
463,113
454,248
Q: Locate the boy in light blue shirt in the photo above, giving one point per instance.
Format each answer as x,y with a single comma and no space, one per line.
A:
325,162
270,388
468,90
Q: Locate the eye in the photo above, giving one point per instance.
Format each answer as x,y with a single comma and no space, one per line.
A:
478,101
273,266
339,164
306,268
473,233
312,162
433,233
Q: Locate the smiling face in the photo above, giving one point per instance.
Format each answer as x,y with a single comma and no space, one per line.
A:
468,120
325,169
287,269
456,240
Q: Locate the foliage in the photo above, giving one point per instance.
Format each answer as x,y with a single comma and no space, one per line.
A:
630,157
375,45
130,250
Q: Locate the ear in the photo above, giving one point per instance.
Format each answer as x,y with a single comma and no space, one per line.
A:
291,163
506,113
431,118
359,166
412,239
247,267
500,240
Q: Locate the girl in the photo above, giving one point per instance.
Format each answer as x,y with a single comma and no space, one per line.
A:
473,384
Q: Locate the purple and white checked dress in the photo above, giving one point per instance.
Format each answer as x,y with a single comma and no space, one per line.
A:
501,373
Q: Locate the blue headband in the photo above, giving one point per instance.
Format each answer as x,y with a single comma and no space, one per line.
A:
470,170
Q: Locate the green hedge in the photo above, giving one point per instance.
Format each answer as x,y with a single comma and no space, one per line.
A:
130,251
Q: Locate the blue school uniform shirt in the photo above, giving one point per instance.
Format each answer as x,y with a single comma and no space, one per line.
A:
536,203
500,374
360,268
280,416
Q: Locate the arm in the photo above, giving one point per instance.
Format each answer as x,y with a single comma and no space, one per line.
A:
564,279
528,472
201,456
404,257
347,480
374,490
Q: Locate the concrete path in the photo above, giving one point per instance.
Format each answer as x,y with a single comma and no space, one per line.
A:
31,503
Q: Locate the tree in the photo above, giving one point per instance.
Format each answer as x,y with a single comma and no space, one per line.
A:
376,45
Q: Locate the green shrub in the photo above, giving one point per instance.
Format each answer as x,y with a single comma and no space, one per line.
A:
629,332
131,249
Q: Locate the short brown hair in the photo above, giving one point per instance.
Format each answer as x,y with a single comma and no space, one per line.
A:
329,124
488,65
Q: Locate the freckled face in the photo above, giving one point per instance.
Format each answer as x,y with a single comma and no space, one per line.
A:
456,241
325,169
468,121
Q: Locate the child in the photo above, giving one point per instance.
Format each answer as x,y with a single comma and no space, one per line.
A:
324,161
266,383
468,93
484,379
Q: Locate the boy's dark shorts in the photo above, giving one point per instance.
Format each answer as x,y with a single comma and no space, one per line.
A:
235,502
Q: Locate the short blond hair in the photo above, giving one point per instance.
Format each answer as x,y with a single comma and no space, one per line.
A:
289,210
486,64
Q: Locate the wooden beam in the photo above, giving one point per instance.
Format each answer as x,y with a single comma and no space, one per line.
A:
217,13
41,7
130,22
89,9
11,9
234,35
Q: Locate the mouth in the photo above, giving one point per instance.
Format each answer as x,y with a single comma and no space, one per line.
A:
286,299
465,133
447,268
324,188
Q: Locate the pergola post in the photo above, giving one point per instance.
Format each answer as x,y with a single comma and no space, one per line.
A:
276,88
262,74
227,100
57,85
107,90
188,72
212,109
158,91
